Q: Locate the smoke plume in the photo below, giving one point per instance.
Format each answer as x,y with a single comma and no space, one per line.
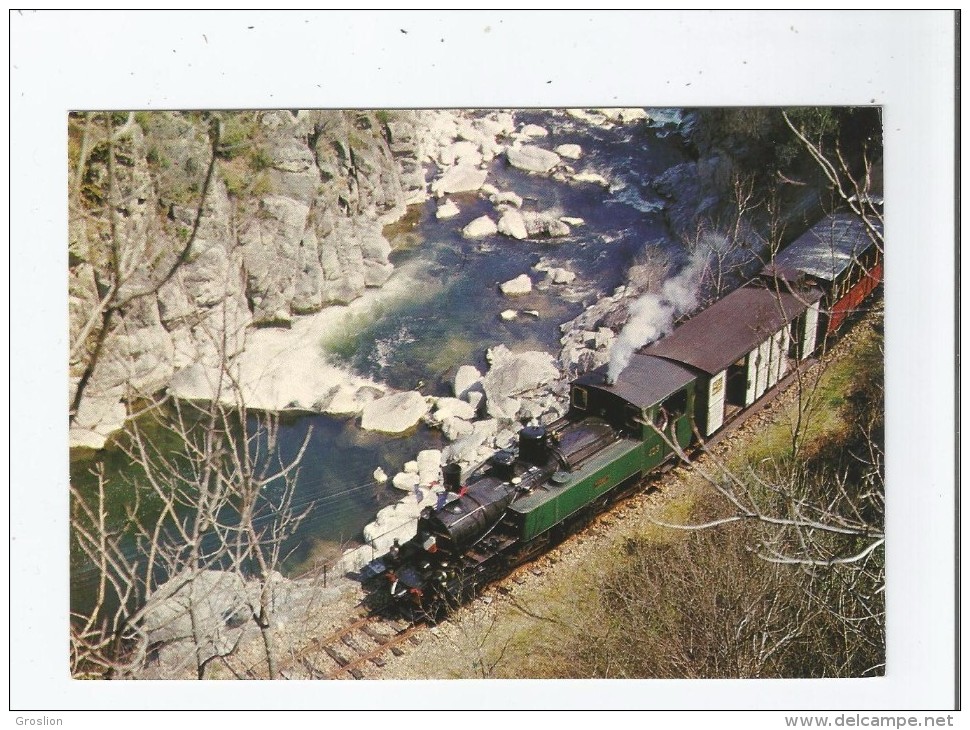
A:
653,314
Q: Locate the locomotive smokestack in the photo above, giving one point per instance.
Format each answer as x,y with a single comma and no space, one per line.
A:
532,445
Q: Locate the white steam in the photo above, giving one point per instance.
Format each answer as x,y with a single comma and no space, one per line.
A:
653,314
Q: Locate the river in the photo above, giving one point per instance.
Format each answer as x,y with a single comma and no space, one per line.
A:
451,315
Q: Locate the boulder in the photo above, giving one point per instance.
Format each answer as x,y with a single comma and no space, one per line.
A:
210,604
542,225
467,378
512,224
394,413
474,447
533,130
446,209
521,284
405,481
380,476
502,407
509,314
462,153
513,374
482,226
532,159
561,276
570,221
456,428
429,467
398,520
569,151
453,407
459,179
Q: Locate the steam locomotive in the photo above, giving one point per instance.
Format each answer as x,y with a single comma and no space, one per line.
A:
681,388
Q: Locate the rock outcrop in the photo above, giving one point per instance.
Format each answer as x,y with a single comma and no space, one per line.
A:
291,222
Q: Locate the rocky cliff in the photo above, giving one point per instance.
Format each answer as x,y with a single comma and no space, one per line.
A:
188,228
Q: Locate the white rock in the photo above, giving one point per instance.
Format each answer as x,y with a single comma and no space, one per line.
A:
508,198
429,467
482,226
474,398
570,221
590,116
446,209
532,159
509,314
380,476
394,413
347,400
521,284
83,438
398,520
543,224
512,224
502,407
462,153
534,130
456,428
466,378
459,179
513,374
591,177
562,276
405,481
569,151
453,407
411,467
488,190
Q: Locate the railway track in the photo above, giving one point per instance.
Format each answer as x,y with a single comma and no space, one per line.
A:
349,652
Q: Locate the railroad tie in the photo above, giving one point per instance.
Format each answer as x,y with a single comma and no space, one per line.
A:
342,660
350,641
375,635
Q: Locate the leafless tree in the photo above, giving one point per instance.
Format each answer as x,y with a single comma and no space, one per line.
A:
211,506
856,189
122,276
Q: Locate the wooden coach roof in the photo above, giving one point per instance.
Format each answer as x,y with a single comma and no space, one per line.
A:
645,380
731,328
828,248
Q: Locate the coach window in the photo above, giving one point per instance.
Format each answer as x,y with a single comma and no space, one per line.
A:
580,397
676,404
